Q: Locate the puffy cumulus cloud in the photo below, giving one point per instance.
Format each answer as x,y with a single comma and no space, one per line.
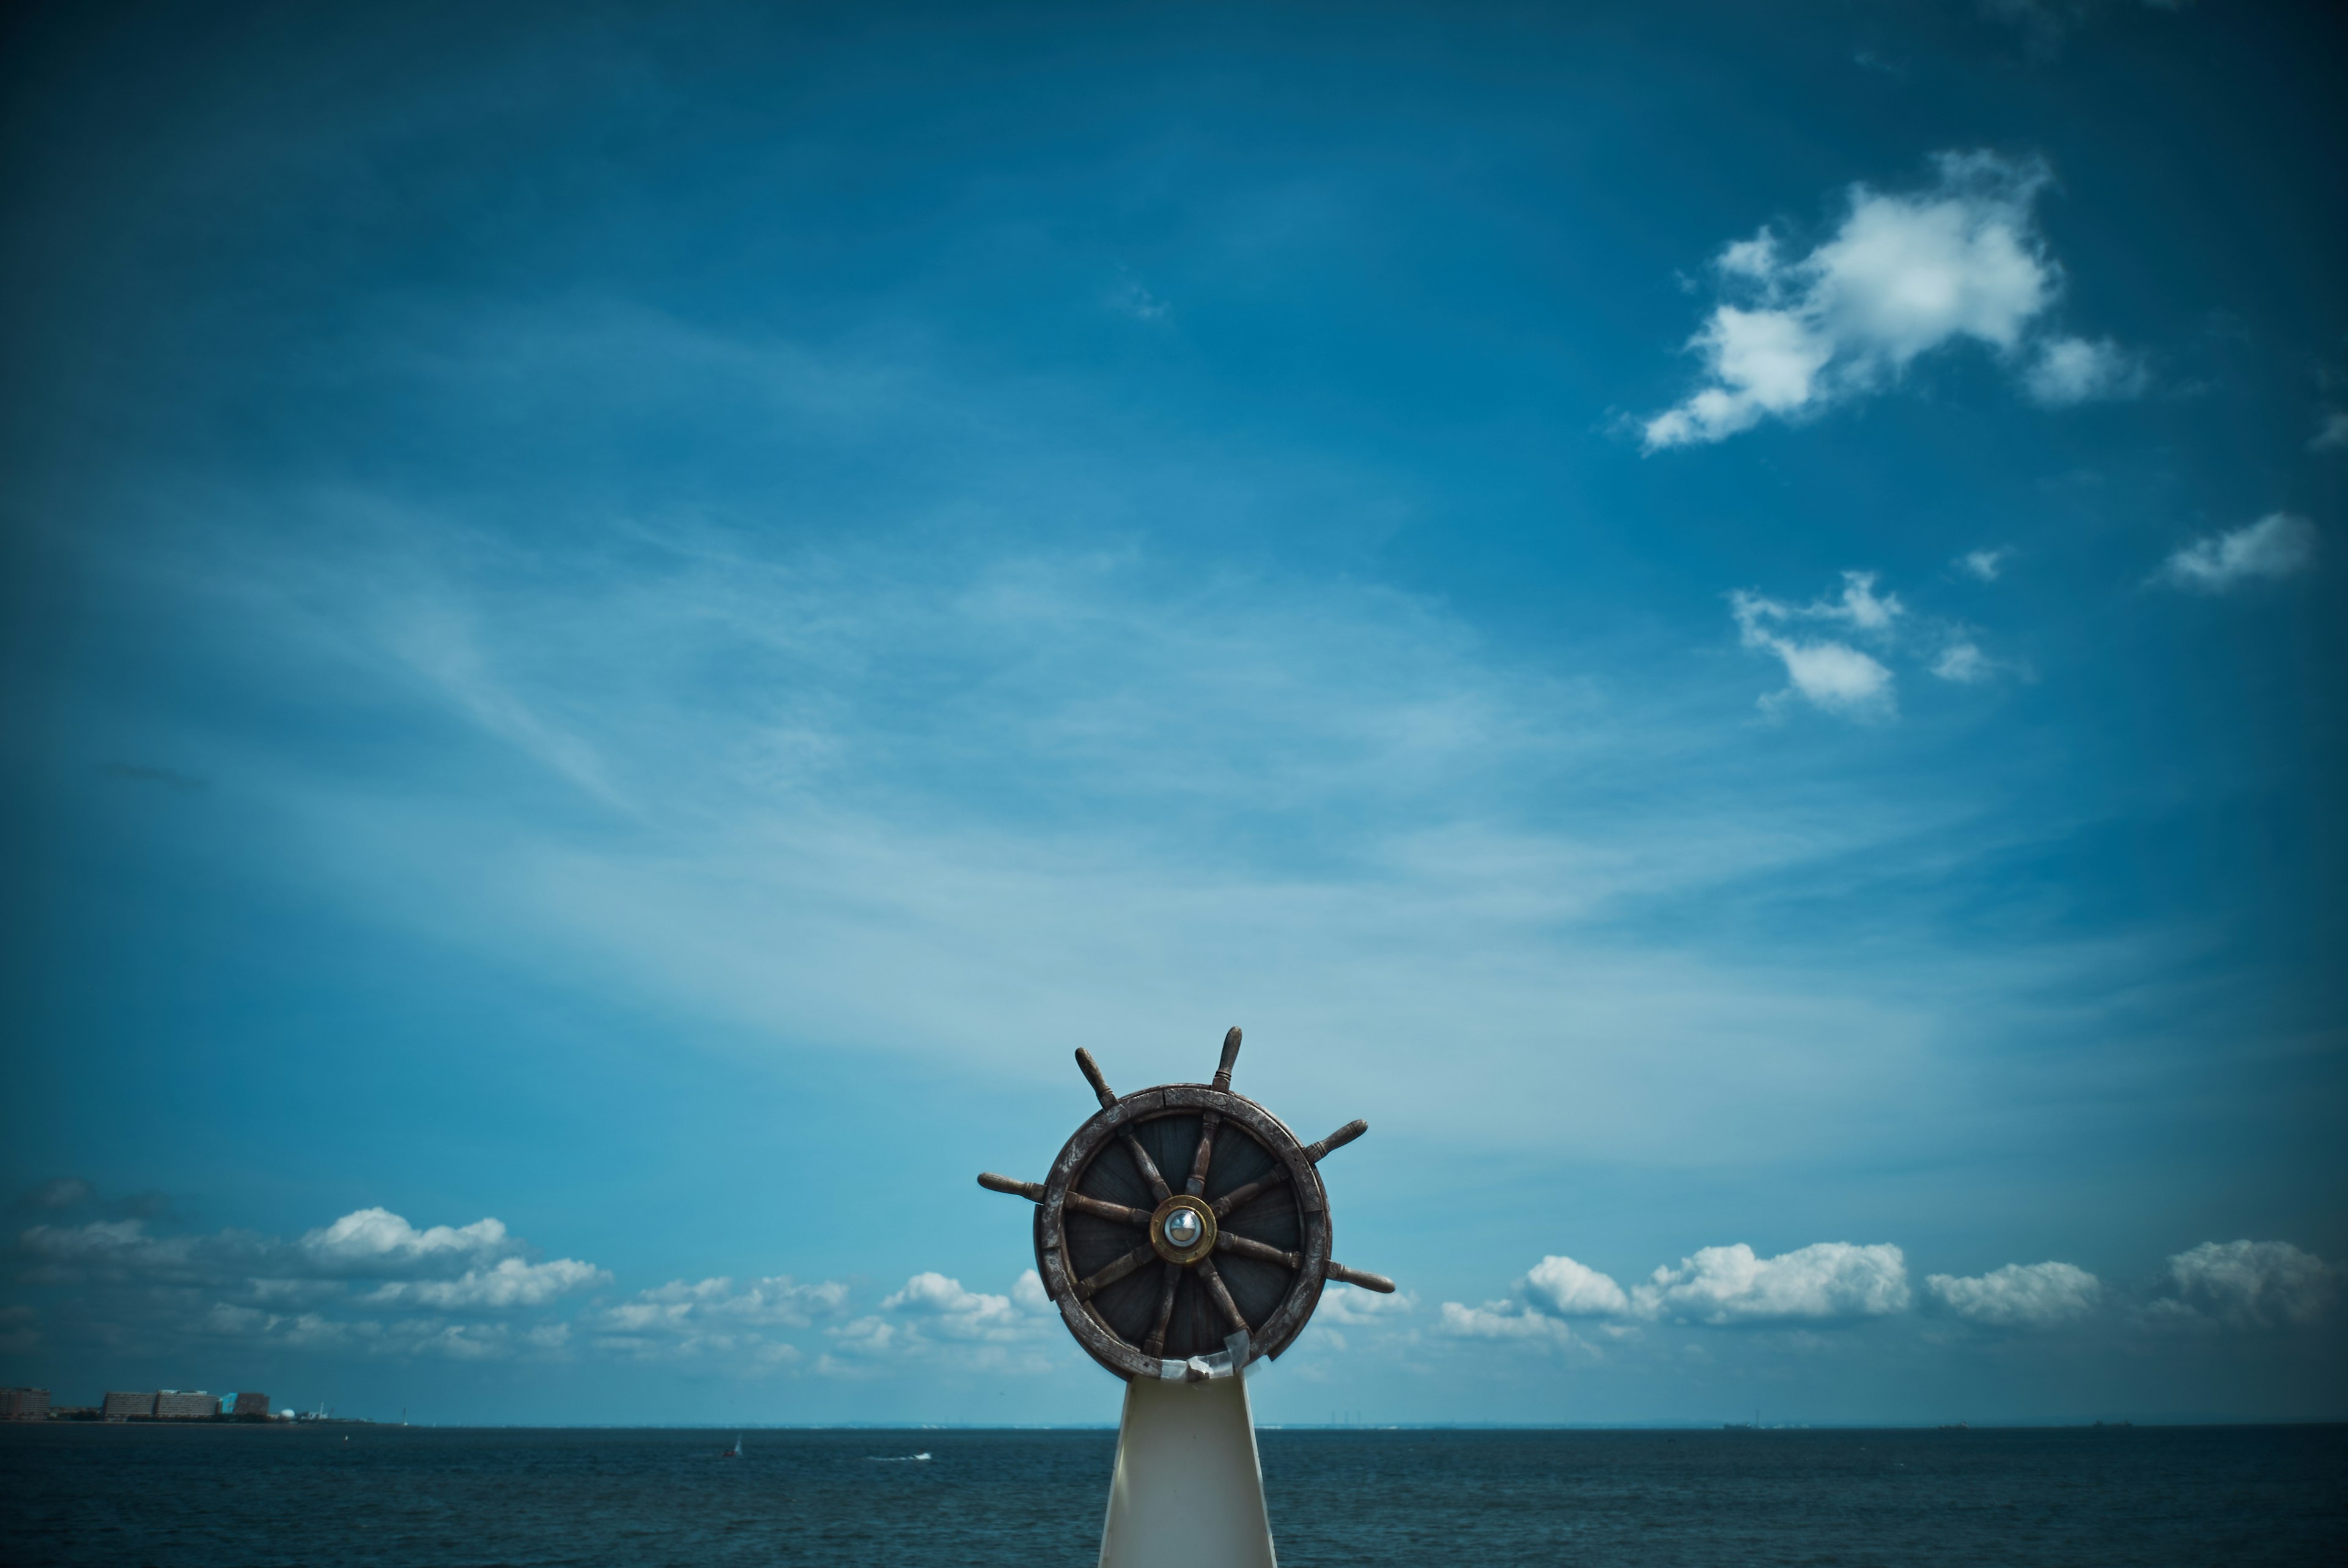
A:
511,1283
2069,370
776,1302
1507,1320
120,1281
1827,673
2019,1296
2246,1285
2277,546
1563,1288
1831,672
712,1318
1829,1282
295,1330
1718,1287
1536,1309
370,1241
1906,273
934,1315
368,1244
1346,1307
942,1307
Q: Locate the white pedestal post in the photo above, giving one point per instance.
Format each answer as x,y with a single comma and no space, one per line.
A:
1188,1491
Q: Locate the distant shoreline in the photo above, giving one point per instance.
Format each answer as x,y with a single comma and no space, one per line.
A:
1674,1429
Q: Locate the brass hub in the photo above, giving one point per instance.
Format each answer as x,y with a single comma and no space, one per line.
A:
1183,1228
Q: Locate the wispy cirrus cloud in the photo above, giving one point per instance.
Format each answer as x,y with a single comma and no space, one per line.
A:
1122,743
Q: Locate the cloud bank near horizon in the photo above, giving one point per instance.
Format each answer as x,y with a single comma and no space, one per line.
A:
370,1282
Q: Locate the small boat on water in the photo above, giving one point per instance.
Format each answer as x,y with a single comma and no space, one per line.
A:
736,1452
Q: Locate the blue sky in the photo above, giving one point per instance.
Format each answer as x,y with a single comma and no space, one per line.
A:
625,624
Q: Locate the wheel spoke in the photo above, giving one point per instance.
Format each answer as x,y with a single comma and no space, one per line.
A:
1148,1167
1222,1295
1101,1209
1363,1278
1031,1191
1238,1196
1344,1135
1034,1192
1091,1070
1111,1274
1242,1246
1155,1344
1197,1185
1230,1059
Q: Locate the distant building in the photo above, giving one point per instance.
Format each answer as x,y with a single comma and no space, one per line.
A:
252,1406
123,1406
176,1405
23,1404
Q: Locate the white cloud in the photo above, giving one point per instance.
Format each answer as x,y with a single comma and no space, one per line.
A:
2069,370
511,1283
2331,431
1826,1282
1718,1287
1507,1320
1905,274
366,1239
2276,546
1964,663
1830,675
1349,1307
1563,1288
711,1318
2247,1284
1551,1291
943,1307
1984,565
933,1313
2019,1296
778,1301
135,1285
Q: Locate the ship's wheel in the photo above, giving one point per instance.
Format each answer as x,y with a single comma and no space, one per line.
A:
1184,1232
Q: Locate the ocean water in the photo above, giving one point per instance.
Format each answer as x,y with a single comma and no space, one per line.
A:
224,1495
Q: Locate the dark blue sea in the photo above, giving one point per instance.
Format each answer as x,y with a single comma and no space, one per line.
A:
197,1496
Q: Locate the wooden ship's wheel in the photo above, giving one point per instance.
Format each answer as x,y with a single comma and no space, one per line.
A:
1184,1232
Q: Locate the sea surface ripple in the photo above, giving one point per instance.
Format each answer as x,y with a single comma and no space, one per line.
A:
438,1496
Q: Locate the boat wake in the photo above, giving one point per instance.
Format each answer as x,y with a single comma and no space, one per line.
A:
898,1459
